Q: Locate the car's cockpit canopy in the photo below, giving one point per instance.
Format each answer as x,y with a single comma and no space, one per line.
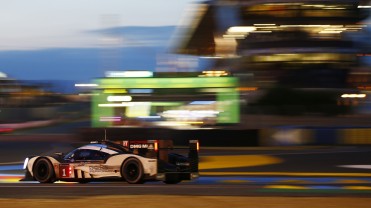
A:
95,151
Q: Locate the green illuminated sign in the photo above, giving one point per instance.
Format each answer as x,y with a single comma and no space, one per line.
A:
228,106
224,87
99,113
152,83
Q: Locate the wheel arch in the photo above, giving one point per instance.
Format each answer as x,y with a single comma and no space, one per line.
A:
44,170
32,161
131,157
132,170
149,165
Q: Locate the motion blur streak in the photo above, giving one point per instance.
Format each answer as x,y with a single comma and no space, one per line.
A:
233,161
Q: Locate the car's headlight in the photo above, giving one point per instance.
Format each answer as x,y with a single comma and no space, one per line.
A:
25,163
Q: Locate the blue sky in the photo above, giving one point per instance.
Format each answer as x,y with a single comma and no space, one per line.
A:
40,24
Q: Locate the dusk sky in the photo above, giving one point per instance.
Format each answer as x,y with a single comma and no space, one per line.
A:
63,39
40,24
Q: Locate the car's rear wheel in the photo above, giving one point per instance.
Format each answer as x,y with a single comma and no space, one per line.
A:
132,171
43,171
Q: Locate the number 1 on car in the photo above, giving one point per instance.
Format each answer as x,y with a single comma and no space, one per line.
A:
65,171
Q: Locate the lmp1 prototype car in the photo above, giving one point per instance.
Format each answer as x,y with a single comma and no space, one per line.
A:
107,160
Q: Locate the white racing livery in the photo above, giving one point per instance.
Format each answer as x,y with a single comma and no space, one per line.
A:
107,161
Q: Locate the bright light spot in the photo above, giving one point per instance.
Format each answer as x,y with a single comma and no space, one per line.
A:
123,104
267,27
305,25
364,6
331,31
86,85
335,29
234,36
139,109
262,31
113,98
202,102
313,5
190,114
190,122
110,118
241,29
25,163
217,73
353,95
129,74
3,75
149,117
211,57
264,24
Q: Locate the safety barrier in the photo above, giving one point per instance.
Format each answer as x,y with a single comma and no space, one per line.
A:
278,136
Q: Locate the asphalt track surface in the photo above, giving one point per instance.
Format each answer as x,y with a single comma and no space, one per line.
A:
67,190
290,172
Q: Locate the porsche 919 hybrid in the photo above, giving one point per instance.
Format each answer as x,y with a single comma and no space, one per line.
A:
107,160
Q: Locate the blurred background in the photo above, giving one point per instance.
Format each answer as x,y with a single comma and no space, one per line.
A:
295,72
277,92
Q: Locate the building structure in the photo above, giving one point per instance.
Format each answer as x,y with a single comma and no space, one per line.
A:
305,44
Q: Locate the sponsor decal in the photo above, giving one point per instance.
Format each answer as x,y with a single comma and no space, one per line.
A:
138,146
100,169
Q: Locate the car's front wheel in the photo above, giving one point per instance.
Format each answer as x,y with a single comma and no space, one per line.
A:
132,171
43,171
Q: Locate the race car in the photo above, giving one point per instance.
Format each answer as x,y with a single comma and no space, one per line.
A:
106,160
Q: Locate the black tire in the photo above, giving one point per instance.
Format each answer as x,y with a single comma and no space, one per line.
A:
132,171
43,171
